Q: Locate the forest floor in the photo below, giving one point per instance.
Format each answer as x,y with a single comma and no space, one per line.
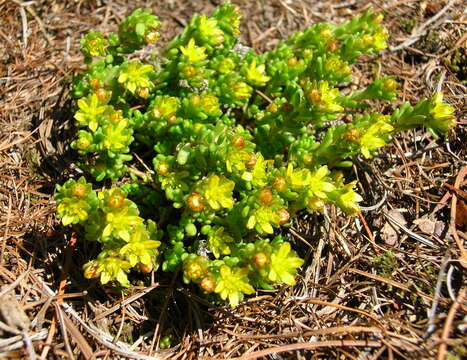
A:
387,284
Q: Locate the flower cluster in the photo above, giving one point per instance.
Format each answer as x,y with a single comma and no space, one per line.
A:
239,143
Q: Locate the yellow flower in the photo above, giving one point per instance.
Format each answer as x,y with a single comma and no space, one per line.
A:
208,28
284,264
218,192
233,284
259,174
442,115
218,242
324,97
298,178
373,138
90,111
257,74
318,185
192,52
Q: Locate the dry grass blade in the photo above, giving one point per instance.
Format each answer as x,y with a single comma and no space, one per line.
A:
309,346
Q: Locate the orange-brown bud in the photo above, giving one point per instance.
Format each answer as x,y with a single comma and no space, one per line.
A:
252,161
194,271
284,216
352,134
238,141
291,62
189,72
195,202
90,271
115,117
260,260
316,204
156,112
279,183
379,18
332,46
208,284
102,95
163,168
115,201
143,93
145,268
314,95
195,100
265,196
172,120
95,84
78,190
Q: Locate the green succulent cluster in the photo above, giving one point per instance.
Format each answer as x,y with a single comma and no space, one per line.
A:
240,142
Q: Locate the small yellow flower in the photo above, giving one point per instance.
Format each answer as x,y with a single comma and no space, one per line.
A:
192,52
218,192
256,74
233,284
373,138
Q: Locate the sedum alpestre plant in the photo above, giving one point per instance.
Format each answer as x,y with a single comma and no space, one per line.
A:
239,142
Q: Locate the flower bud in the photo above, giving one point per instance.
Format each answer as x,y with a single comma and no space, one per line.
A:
313,95
391,84
238,141
194,270
260,260
291,62
316,204
95,84
156,112
172,120
307,159
284,216
189,72
332,46
265,196
78,191
279,183
115,117
379,18
208,284
90,271
115,201
352,135
102,95
195,202
145,268
143,93
83,143
195,100
252,162
163,168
